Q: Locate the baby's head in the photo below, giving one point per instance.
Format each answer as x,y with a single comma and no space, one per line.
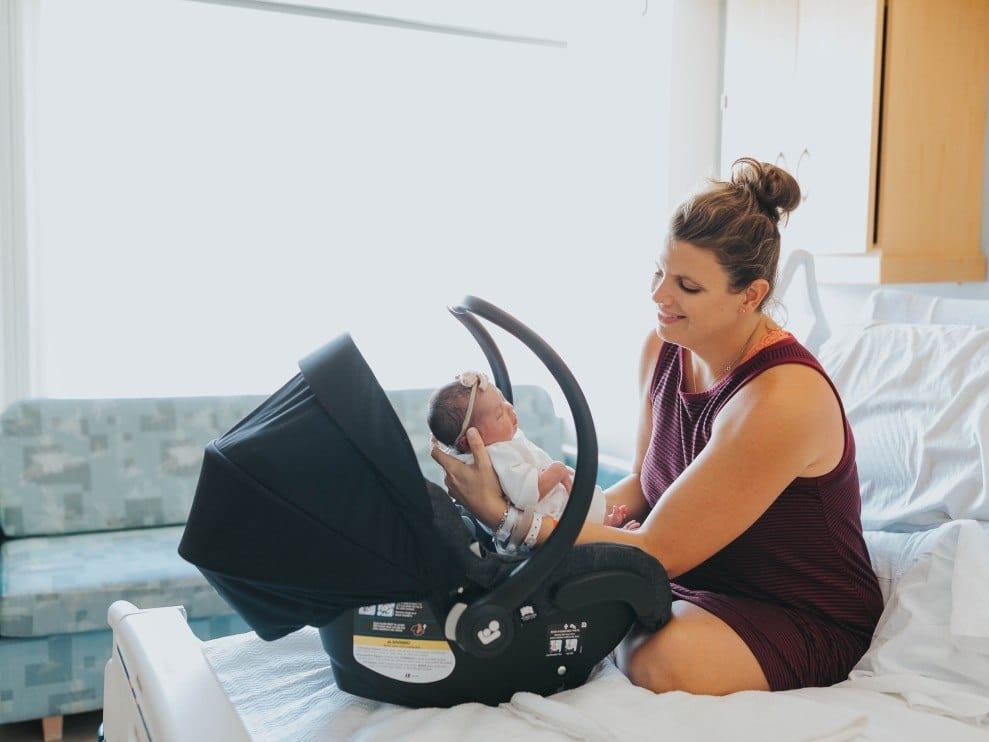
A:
469,401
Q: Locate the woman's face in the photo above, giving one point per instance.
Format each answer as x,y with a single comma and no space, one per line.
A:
493,416
690,290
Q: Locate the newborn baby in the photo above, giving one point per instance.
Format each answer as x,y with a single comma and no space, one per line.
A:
529,477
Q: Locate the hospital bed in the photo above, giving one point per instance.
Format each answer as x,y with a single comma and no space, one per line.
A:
914,378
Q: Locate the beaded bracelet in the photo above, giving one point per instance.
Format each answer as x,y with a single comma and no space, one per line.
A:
504,517
504,529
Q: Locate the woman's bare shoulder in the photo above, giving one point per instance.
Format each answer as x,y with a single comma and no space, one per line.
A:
785,420
793,385
791,391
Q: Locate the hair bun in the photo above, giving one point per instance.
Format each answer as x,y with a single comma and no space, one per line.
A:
776,191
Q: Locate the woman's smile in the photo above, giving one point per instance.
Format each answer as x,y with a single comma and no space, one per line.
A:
668,319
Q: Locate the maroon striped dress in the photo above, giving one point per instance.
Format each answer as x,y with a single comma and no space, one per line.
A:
797,586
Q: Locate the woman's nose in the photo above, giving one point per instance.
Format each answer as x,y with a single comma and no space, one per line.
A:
660,294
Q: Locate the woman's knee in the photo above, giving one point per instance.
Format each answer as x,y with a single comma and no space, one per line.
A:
649,667
695,652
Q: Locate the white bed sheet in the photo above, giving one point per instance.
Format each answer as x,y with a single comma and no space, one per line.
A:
285,690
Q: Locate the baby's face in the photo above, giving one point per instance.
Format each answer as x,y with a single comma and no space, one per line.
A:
494,417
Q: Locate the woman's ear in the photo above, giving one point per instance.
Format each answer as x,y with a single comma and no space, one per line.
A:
754,295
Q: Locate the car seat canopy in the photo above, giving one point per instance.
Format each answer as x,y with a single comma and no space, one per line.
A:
314,503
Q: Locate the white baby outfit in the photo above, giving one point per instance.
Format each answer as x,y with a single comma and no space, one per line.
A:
518,463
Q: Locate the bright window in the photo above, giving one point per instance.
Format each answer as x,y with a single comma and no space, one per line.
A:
223,190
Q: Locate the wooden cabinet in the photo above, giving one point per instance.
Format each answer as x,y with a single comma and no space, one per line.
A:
878,108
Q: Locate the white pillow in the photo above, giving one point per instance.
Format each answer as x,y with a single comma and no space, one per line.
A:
917,397
894,305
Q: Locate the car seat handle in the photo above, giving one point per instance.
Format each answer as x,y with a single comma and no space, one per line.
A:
501,603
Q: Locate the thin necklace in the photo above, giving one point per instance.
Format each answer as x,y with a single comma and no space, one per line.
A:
730,365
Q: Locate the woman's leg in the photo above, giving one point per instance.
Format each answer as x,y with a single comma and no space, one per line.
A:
695,652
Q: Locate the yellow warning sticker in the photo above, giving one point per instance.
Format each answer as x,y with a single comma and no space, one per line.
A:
402,641
384,641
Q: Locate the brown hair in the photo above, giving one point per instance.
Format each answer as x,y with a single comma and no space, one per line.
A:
445,415
738,220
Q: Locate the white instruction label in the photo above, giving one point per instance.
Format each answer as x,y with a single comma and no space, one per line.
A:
565,639
402,641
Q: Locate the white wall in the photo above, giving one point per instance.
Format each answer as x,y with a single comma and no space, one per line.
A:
695,99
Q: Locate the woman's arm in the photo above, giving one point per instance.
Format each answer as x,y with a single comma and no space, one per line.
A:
771,432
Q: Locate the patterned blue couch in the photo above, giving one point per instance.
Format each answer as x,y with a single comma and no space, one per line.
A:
93,495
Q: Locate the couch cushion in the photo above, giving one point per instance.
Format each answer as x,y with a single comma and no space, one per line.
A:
68,466
65,584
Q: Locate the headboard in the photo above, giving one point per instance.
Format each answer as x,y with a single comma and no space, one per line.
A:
805,316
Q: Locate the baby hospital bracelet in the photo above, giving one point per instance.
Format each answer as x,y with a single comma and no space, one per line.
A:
533,534
553,523
519,530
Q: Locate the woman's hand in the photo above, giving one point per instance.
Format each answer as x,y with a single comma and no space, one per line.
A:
475,486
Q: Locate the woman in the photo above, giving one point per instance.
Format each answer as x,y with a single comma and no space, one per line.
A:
744,474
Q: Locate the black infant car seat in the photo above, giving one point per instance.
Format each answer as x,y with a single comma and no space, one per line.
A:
313,511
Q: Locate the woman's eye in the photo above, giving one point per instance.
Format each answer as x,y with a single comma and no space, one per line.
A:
690,288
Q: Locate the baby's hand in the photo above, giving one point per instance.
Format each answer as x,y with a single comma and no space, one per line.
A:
632,525
561,470
568,479
557,472
617,516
